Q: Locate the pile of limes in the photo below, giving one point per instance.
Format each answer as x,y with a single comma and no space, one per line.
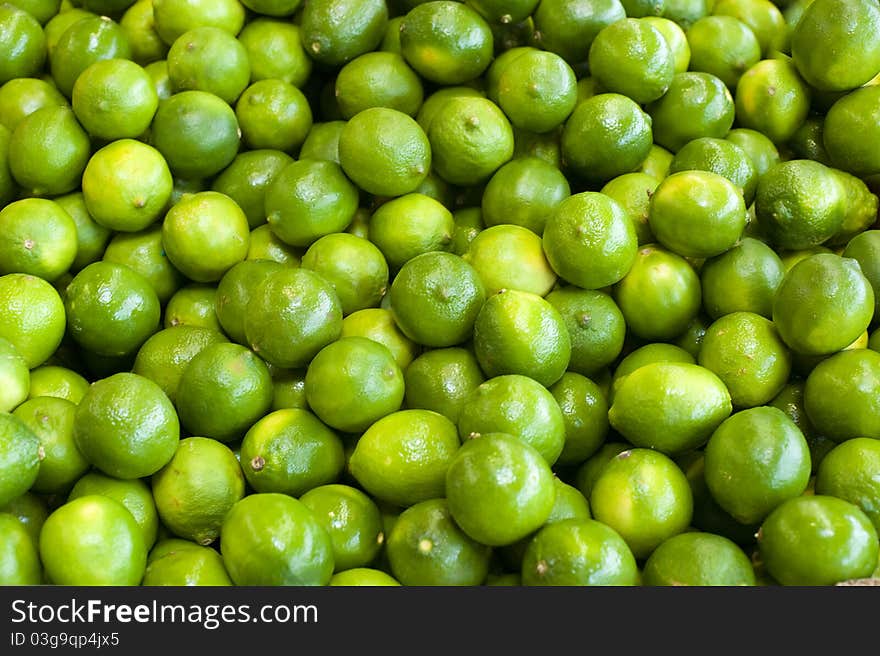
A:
394,292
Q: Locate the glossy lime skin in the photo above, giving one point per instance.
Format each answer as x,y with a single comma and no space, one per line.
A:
698,559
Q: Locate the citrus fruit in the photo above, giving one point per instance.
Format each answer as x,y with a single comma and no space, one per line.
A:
537,91
446,42
510,257
19,557
817,540
631,57
499,489
847,472
271,539
849,131
517,405
840,395
379,325
697,558
435,299
669,406
644,496
378,79
246,178
275,50
191,566
362,577
111,309
19,457
208,58
336,31
576,552
308,199
720,156
273,115
196,489
723,46
223,390
745,351
427,547
523,192
384,151
410,225
32,316
823,304
589,240
126,185
290,451
39,238
352,382
24,44
51,420
568,27
165,354
114,99
92,540
84,42
292,314
521,333
440,379
143,252
585,415
15,377
174,17
402,458
755,460
620,133
772,98
204,235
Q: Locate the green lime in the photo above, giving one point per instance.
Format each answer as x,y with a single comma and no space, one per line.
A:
57,381
246,178
291,451
697,558
511,257
410,225
114,99
818,540
126,426
499,488
196,489
446,42
537,91
292,314
660,294
93,540
742,279
378,79
834,44
840,395
569,28
272,539
772,98
523,192
353,382
590,241
585,415
353,521
91,237
521,333
384,151
39,238
52,420
435,299
134,493
850,131
758,146
197,133
646,354
32,317
579,552
235,290
289,389
723,46
402,458
745,351
144,253
111,309
19,557
174,17
823,304
847,472
427,547
31,510
126,186
633,192
48,151
669,406
275,51
19,457
362,577
209,58
697,104
631,57
191,566
379,325
354,266
644,496
193,305
336,31
273,115
265,245
596,327
517,405
308,199
756,460
23,42
322,141
441,379
720,156
83,43
619,131
223,391
139,25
